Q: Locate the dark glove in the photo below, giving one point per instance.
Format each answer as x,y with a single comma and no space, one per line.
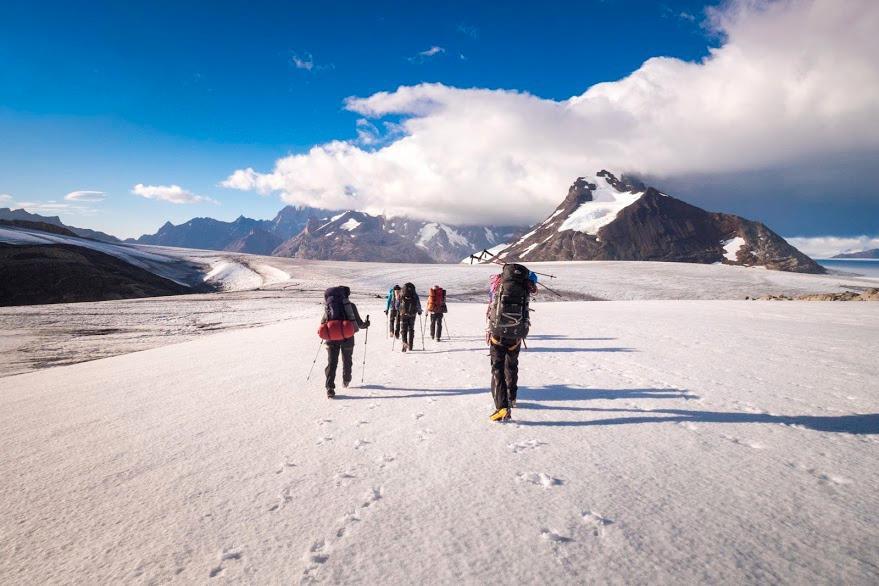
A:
386,312
365,324
419,312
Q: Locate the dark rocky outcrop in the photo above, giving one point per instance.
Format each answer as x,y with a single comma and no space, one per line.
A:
653,227
61,273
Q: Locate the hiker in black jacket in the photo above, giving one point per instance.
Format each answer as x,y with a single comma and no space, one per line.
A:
410,306
340,322
508,324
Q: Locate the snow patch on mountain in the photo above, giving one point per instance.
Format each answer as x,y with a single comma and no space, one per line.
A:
606,204
731,248
350,225
432,229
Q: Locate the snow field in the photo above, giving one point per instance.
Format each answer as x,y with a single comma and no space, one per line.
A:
644,450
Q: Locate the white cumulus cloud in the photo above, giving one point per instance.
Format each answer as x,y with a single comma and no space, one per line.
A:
170,193
85,195
793,80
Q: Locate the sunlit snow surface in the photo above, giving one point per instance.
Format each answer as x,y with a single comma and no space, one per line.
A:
654,442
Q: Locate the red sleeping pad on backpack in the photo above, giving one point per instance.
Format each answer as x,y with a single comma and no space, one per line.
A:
336,330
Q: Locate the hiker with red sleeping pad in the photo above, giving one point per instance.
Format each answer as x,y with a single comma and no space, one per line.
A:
340,322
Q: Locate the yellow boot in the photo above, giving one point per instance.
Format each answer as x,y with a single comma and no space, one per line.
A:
500,415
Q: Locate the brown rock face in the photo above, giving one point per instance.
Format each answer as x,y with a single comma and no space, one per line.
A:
655,227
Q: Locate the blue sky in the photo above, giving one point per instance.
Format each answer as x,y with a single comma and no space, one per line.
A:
102,96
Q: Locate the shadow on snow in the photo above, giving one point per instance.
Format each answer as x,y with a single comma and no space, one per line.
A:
862,424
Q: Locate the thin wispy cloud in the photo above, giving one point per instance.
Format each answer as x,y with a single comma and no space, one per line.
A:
170,193
427,54
85,195
468,30
5,198
306,62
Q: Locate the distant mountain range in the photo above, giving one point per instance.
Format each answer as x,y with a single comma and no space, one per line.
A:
317,234
20,214
605,217
872,253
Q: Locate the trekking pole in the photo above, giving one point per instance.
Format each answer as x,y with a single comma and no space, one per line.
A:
422,331
387,324
365,342
314,361
446,323
551,290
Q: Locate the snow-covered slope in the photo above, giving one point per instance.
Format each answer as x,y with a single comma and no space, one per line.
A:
656,442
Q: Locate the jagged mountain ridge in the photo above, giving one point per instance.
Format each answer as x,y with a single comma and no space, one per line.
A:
354,236
429,241
608,218
24,215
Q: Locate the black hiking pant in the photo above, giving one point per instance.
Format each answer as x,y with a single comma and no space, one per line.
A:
346,347
394,323
504,372
407,327
436,325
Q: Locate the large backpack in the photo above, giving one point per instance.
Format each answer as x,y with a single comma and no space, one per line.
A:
340,324
408,300
508,316
436,300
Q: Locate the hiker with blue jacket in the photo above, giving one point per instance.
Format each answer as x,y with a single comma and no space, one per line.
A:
392,305
340,322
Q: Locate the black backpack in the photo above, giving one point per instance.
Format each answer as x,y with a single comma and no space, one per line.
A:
336,300
508,318
408,300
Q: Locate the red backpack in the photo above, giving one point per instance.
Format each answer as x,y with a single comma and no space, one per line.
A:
337,327
436,299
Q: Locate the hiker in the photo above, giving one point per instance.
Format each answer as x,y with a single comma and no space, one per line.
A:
410,306
508,324
436,307
340,322
392,305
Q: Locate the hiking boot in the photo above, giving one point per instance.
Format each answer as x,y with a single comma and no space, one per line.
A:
405,346
345,383
512,403
508,416
501,414
331,393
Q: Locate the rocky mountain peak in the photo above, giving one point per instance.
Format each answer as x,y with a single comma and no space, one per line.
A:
622,219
